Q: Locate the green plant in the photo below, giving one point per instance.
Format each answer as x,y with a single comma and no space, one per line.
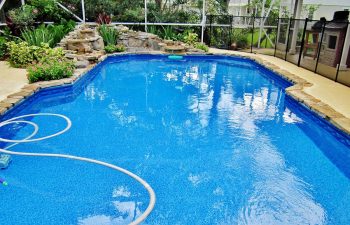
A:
23,16
240,37
21,54
201,46
38,36
3,49
51,34
108,34
168,33
51,70
45,54
47,10
114,48
190,38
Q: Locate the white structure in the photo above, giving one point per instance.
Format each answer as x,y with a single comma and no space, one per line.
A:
326,8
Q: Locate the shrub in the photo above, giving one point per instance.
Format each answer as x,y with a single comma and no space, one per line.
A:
3,49
47,10
108,34
190,38
23,16
240,37
201,46
21,54
51,70
51,34
45,54
114,48
103,18
38,36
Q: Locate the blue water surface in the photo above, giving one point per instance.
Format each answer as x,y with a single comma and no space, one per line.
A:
215,137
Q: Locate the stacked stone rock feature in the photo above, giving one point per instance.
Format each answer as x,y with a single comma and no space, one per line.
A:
83,45
138,41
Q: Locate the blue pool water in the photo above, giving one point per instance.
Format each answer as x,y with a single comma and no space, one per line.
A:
215,137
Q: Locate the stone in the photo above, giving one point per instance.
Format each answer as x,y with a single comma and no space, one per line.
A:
342,123
2,110
32,87
11,100
98,44
82,64
122,29
71,56
5,105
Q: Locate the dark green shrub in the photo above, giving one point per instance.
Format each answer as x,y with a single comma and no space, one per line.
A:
3,48
47,10
240,37
52,70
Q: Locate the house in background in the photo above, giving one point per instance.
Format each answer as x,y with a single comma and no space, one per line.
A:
324,8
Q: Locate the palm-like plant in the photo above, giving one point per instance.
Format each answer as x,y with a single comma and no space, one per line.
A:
108,34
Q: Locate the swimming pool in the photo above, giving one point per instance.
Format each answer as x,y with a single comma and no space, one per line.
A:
215,137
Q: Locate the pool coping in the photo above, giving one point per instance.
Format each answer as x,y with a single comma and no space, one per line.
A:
296,91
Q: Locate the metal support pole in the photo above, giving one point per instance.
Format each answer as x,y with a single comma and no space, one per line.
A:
277,36
230,32
320,45
302,42
262,22
203,22
251,43
342,52
22,2
146,15
2,4
211,30
290,23
346,47
83,10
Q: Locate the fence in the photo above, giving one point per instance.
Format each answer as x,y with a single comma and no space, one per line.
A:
322,47
318,46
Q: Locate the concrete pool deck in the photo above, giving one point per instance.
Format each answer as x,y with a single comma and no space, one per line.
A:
11,79
324,96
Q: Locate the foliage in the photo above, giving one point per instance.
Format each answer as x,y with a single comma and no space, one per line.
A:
47,10
23,16
51,34
22,54
240,37
201,46
309,10
103,18
108,34
114,48
190,38
3,49
45,54
51,70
